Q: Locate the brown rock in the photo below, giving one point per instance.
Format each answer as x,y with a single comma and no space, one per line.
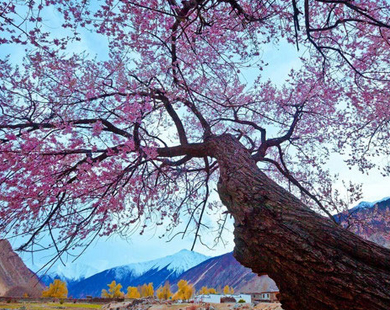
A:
16,279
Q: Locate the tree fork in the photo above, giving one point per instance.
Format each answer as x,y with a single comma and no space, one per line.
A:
316,264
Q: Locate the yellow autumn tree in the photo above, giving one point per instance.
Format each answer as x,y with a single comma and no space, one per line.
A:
147,290
212,291
205,290
114,291
164,292
57,289
184,291
132,292
228,290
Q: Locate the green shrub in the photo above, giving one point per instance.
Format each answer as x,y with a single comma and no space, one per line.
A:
241,301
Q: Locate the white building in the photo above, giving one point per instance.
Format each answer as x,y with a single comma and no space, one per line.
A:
216,298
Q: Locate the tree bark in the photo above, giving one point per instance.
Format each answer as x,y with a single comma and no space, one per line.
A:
316,264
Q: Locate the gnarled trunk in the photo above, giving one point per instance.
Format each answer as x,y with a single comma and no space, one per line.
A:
316,264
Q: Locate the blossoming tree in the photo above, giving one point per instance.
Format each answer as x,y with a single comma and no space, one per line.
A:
92,147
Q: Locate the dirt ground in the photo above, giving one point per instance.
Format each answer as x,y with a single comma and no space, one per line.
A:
225,306
268,306
72,306
48,306
261,306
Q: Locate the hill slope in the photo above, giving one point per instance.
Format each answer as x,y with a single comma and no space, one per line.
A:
370,220
226,270
15,278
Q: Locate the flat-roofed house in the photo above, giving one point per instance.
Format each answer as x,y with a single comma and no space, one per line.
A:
269,296
216,298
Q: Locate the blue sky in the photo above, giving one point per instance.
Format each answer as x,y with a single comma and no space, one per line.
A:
115,251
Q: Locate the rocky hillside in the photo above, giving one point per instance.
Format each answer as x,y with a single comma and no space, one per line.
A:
15,278
225,270
370,220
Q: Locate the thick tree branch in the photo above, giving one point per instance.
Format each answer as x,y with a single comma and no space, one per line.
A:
265,145
191,149
176,119
205,125
31,126
359,10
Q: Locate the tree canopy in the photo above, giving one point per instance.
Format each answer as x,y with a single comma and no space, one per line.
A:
94,146
164,292
57,289
132,292
114,291
185,291
228,290
205,290
147,290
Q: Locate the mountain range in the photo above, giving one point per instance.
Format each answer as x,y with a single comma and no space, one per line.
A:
201,270
217,272
158,271
196,268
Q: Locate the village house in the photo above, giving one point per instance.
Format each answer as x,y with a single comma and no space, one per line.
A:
268,296
216,298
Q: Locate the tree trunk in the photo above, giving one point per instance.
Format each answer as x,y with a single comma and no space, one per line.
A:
316,264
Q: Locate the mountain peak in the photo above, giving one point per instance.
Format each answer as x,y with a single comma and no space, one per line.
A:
157,271
175,263
366,205
185,251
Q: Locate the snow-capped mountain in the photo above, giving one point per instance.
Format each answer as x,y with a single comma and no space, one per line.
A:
366,205
213,272
369,220
157,271
176,264
69,273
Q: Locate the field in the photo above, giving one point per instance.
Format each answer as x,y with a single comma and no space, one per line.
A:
227,306
48,306
88,306
261,306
